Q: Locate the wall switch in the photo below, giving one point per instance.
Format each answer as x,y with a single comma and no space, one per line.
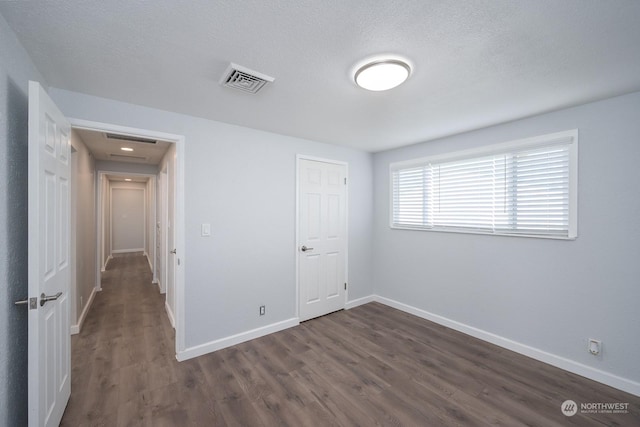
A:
594,346
206,230
262,310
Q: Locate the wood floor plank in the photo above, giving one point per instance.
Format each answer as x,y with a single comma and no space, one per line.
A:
369,366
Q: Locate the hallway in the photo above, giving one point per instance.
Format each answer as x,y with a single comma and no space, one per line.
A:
125,350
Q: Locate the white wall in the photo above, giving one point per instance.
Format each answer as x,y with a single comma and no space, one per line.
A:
242,182
128,217
551,295
83,186
16,69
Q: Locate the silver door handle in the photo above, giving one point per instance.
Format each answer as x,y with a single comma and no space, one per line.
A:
32,302
173,251
44,298
305,249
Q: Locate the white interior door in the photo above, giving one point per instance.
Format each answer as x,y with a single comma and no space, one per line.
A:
322,237
49,363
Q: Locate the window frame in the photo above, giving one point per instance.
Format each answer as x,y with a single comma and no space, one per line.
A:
569,137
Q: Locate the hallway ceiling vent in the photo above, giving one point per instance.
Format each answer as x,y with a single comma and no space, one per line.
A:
244,79
130,138
126,158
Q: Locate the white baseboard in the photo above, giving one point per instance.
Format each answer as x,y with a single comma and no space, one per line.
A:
104,267
603,377
360,301
172,319
212,346
75,329
149,261
125,251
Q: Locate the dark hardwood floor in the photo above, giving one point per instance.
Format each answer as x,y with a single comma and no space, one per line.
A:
368,366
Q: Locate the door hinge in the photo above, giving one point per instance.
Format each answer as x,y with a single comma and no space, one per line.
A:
345,181
345,286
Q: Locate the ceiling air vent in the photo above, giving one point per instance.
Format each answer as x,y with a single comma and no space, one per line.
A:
130,138
122,157
244,79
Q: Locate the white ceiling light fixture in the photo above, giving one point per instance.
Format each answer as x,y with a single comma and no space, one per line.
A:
126,149
382,74
128,179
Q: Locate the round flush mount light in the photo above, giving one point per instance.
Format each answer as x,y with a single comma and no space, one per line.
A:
382,74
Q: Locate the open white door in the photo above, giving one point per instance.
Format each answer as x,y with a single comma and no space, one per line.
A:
49,272
322,234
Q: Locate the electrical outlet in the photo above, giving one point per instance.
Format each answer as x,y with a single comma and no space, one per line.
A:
262,310
594,347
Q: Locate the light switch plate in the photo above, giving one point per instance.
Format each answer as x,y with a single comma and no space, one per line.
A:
206,230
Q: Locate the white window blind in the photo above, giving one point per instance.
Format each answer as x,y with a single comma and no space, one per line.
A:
525,188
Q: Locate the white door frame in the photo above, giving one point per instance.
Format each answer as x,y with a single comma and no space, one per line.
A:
300,157
179,141
162,190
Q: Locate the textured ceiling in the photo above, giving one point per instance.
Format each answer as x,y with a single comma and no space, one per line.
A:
476,63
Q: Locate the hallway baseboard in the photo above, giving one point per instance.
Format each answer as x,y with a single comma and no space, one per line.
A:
104,267
75,329
149,261
172,319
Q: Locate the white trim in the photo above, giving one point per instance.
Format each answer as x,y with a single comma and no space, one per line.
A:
221,343
150,265
104,268
569,365
75,329
170,315
297,230
179,219
359,301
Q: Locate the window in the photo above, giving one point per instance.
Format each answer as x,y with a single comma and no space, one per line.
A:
525,188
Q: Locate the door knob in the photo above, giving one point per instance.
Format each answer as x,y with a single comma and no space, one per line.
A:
44,298
173,251
305,249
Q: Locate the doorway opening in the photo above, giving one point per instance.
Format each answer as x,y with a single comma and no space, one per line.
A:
139,208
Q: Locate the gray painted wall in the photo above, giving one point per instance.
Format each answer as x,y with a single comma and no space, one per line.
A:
128,220
85,225
242,182
548,294
16,69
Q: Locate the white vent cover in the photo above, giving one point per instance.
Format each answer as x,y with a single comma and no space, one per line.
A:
125,158
130,138
244,79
